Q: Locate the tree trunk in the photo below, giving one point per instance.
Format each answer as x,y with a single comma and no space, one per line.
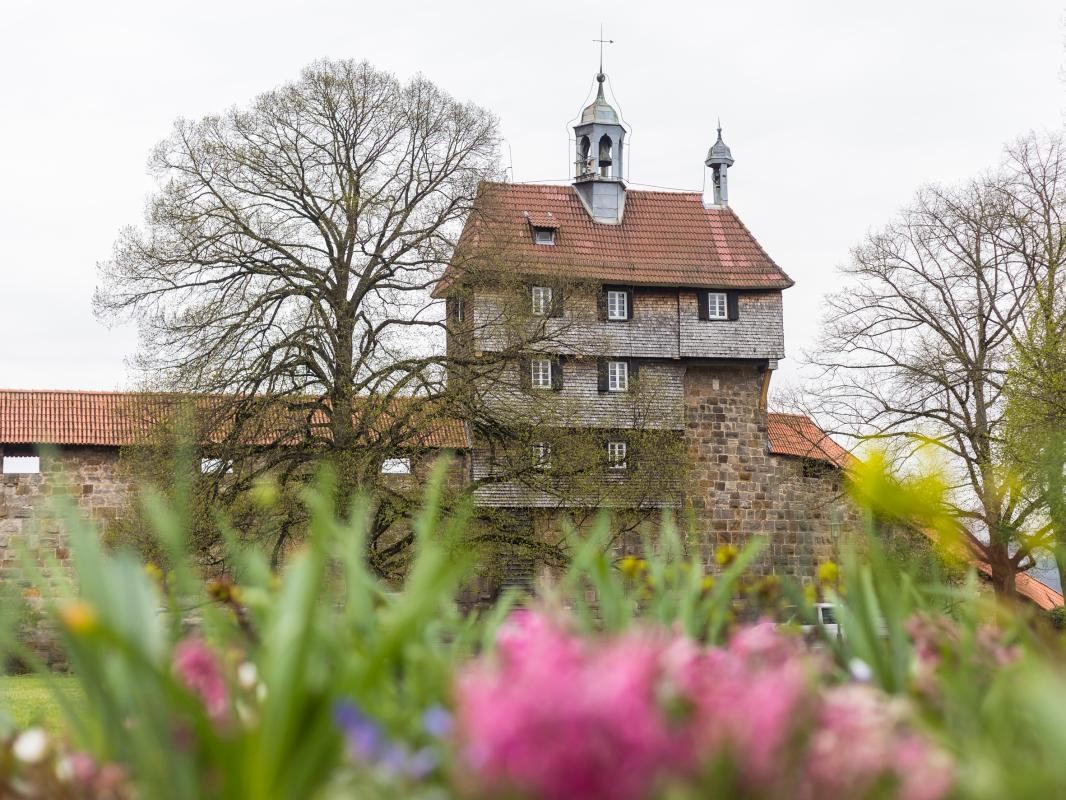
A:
1003,571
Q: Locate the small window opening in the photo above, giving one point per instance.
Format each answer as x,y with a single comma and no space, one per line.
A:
22,465
542,300
617,376
396,466
541,373
584,163
717,307
542,455
215,466
544,235
617,305
605,156
616,455
460,309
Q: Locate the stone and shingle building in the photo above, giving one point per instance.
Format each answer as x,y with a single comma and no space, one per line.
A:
666,292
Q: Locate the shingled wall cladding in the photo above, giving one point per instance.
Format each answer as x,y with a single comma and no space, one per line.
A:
758,332
665,324
738,490
655,402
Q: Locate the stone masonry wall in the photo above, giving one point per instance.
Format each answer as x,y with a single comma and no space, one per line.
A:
738,490
28,520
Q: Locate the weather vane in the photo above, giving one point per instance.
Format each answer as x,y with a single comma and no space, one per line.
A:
602,42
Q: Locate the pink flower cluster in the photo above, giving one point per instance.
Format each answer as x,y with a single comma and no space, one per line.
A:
554,715
200,672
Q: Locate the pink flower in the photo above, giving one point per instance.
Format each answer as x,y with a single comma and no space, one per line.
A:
199,671
754,700
557,717
862,740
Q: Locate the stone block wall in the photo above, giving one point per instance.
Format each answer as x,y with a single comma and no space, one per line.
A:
28,521
737,489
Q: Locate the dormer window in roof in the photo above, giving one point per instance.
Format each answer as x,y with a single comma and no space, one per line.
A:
544,235
543,224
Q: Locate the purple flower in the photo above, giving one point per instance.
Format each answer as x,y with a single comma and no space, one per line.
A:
365,739
368,743
437,721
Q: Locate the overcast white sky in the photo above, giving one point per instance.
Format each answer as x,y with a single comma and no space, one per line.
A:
835,111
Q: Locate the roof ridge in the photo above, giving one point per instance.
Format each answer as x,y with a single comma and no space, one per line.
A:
76,391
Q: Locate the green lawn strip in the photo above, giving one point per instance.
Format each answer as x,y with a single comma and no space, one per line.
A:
28,699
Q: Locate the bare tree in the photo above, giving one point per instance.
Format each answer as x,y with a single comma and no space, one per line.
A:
1035,441
286,260
915,352
283,276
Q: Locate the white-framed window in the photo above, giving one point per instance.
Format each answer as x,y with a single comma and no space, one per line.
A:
22,465
717,306
215,466
542,455
460,309
544,236
396,466
616,455
617,376
540,375
542,300
617,304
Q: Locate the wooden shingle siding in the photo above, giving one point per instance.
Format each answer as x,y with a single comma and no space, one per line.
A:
517,494
664,325
758,333
656,400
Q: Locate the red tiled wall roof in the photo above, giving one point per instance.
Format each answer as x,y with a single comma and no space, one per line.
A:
665,239
117,419
797,435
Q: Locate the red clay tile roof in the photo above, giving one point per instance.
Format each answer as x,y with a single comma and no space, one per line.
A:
797,435
542,219
117,419
1025,585
1032,589
665,239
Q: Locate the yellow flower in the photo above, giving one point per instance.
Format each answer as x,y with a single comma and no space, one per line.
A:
153,572
632,566
828,573
707,583
725,555
78,617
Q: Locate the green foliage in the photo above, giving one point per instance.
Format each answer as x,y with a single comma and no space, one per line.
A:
326,631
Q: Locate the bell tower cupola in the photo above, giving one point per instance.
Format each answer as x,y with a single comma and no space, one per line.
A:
719,159
599,159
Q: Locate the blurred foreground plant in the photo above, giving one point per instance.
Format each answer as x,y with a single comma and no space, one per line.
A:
636,677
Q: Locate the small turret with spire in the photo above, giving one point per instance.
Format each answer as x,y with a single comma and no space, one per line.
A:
720,159
598,161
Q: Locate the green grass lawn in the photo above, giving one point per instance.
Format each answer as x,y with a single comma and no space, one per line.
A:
28,699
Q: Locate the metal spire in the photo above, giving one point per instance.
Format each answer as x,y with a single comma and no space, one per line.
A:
602,42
